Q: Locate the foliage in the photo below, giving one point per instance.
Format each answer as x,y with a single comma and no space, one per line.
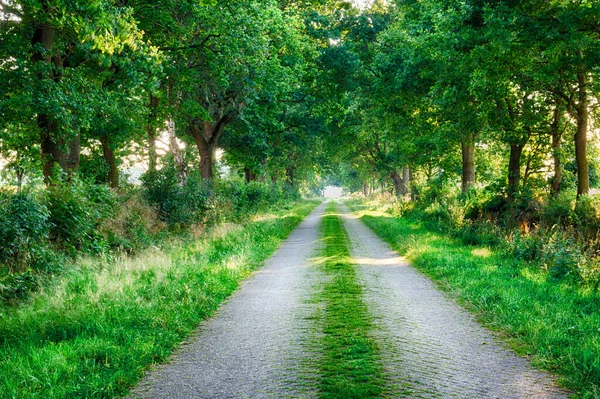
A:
236,201
76,210
178,205
25,253
135,224
24,230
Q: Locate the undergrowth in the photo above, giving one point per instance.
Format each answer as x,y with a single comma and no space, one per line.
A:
94,333
43,229
553,321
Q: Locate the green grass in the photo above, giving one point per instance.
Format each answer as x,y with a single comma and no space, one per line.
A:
348,364
556,324
95,333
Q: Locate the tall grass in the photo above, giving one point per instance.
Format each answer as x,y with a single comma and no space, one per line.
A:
555,323
94,333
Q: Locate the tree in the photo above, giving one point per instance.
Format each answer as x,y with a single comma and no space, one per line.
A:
56,53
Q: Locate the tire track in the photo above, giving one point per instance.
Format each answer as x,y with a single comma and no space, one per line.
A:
255,344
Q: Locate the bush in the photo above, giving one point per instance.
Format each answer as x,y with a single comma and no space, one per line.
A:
24,231
480,232
18,285
585,218
134,224
178,205
525,246
236,200
562,256
559,210
77,209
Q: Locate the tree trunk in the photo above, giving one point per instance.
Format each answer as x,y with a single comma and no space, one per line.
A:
406,180
206,138
289,172
177,153
583,179
111,160
249,175
556,152
366,189
151,132
514,170
468,165
54,148
204,147
398,183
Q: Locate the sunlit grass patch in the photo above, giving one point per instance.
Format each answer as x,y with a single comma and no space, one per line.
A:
481,252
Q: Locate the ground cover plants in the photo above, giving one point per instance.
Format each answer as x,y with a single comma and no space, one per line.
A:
43,229
94,332
552,321
349,361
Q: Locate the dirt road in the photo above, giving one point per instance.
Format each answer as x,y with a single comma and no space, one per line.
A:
257,343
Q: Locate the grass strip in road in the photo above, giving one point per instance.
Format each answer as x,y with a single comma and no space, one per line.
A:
556,324
349,364
96,332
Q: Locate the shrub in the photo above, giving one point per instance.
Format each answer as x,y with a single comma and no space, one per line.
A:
24,231
178,205
585,218
525,209
77,209
561,255
18,285
235,200
134,224
590,271
559,210
480,232
525,246
449,214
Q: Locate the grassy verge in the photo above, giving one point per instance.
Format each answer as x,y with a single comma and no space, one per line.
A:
556,324
349,366
94,333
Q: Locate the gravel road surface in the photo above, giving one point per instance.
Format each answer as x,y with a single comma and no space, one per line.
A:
254,345
431,347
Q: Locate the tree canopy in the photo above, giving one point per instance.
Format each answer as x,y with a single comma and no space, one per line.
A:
472,93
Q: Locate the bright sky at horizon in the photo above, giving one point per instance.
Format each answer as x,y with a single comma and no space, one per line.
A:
360,3
333,192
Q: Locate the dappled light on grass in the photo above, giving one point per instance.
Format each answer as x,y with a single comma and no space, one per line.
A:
481,252
535,276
